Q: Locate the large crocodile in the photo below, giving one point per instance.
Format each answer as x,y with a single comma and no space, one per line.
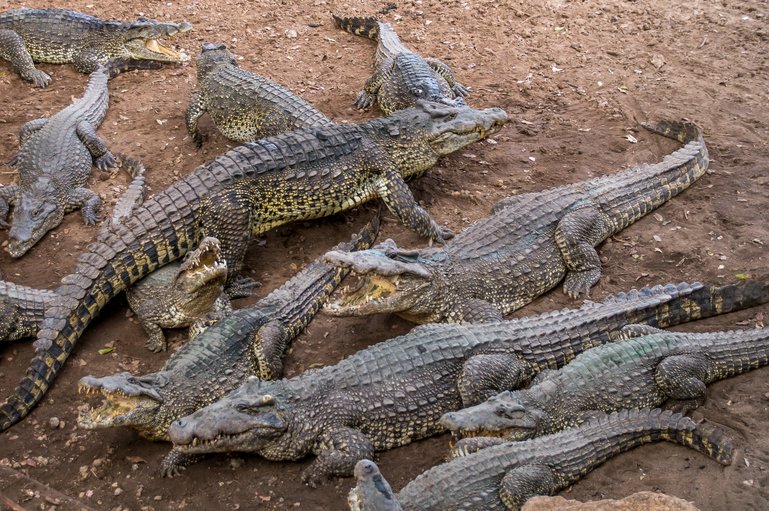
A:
401,77
244,106
306,173
395,392
528,245
21,310
250,341
181,295
641,372
59,36
54,162
505,476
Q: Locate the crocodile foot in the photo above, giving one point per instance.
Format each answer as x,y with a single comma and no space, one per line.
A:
579,282
460,90
364,100
241,287
106,161
37,77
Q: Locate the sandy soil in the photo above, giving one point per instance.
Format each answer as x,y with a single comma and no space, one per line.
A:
576,76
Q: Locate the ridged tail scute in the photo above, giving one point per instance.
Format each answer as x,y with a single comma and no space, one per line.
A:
364,27
683,131
712,442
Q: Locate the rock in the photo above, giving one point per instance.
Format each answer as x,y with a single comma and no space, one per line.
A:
641,501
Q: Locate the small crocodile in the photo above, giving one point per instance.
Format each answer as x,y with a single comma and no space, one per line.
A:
505,476
250,341
401,77
243,106
54,162
133,195
307,173
395,392
529,244
645,371
21,310
58,36
181,295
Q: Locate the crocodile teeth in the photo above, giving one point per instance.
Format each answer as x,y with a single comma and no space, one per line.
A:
195,441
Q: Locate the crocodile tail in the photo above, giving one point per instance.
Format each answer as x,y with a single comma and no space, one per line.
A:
683,131
363,239
121,65
133,195
364,27
707,439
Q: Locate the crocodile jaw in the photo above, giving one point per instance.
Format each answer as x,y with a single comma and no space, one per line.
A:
375,294
206,267
142,48
465,126
31,221
121,407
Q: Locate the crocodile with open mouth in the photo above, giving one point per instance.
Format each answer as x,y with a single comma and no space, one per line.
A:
58,36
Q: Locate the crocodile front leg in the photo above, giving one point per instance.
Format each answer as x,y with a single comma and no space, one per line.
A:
488,374
194,111
367,96
338,451
577,234
102,157
89,201
156,341
682,378
524,482
269,344
395,193
8,198
13,50
445,71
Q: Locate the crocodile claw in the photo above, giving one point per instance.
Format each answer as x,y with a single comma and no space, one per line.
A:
105,161
37,77
364,100
460,90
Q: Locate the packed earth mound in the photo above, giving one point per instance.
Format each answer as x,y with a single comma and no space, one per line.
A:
576,77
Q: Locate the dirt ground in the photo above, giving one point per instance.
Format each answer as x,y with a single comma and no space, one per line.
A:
575,76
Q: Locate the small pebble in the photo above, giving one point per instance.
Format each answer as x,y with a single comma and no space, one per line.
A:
54,422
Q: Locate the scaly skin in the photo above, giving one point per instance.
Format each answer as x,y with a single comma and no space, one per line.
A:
243,106
401,77
133,196
641,372
179,295
395,392
302,174
59,36
505,476
249,342
529,244
54,163
21,310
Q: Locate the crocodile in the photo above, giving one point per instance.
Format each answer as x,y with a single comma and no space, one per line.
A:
21,310
54,162
242,105
59,36
644,371
505,476
250,341
529,244
396,391
134,194
306,173
401,77
181,295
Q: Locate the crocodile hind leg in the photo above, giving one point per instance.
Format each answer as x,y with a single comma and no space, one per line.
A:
577,234
89,201
13,50
395,193
8,197
194,111
682,379
487,374
524,482
102,157
445,71
475,310
340,450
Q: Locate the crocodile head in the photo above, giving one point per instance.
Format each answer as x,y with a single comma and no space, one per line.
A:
142,38
389,281
213,55
507,415
246,420
132,401
36,213
204,269
415,137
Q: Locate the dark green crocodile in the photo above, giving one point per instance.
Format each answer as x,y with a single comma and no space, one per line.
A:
395,392
645,371
243,106
401,77
54,162
505,476
21,310
58,36
529,244
181,295
306,173
250,341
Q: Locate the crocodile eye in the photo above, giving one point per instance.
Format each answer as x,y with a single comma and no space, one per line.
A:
510,412
418,92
